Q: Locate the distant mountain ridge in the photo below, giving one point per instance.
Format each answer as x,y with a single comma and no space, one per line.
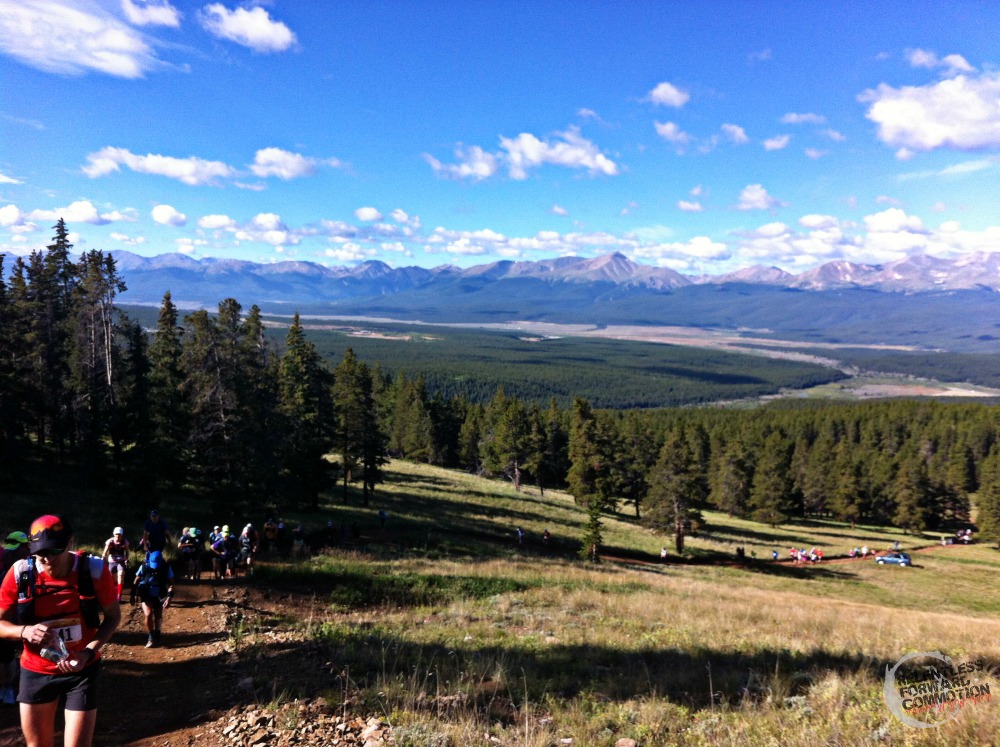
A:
920,301
914,274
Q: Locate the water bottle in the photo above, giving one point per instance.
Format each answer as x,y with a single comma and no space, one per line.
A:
56,652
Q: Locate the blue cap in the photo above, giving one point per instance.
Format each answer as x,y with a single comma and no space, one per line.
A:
155,558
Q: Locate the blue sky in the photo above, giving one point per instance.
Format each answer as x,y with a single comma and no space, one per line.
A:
704,137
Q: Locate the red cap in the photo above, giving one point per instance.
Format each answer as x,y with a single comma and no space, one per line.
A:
49,534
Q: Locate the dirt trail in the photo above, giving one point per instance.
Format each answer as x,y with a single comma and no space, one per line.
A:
163,695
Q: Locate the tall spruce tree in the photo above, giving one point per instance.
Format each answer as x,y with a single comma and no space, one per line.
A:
306,404
169,410
770,493
586,477
675,490
988,498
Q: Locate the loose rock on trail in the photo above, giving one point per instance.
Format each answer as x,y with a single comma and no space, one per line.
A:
196,689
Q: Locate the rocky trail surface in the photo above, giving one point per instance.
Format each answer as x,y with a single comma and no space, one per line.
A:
196,689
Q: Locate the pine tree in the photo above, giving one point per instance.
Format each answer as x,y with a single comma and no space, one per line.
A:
729,481
169,411
988,500
637,450
350,415
588,474
306,403
912,493
675,491
770,492
373,439
469,439
510,446
94,355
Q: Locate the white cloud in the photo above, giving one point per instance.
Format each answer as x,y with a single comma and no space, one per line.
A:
167,215
349,252
268,228
191,170
151,13
558,210
4,179
762,55
400,216
249,27
473,163
969,167
67,38
282,164
268,222
755,197
697,248
886,200
961,113
893,220
671,132
569,149
816,153
816,222
834,135
804,118
187,245
735,133
367,214
523,153
215,221
696,190
667,94
11,215
777,142
81,211
952,63
690,207
126,239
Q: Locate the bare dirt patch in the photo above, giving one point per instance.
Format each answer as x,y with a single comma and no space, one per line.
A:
222,675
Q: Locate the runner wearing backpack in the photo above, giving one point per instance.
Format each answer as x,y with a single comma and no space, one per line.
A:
62,629
155,583
15,548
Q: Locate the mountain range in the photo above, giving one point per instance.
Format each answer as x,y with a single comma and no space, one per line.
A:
920,300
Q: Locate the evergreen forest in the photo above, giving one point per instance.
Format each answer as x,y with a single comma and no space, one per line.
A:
208,403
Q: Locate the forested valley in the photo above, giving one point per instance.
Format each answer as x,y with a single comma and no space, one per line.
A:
208,404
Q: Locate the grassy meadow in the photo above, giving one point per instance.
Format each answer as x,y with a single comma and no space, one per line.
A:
443,624
458,635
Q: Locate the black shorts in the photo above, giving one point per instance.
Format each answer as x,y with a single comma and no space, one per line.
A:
154,603
79,690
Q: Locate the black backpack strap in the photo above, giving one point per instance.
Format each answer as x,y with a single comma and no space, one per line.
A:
25,570
90,608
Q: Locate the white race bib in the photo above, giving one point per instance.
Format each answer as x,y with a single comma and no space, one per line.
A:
68,629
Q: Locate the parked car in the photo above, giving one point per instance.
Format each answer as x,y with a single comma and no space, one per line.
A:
893,558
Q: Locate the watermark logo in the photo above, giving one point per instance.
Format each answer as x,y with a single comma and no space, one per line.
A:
927,689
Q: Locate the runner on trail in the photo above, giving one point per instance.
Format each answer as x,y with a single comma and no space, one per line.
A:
270,538
15,548
116,552
62,631
155,582
155,533
249,545
187,546
223,554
